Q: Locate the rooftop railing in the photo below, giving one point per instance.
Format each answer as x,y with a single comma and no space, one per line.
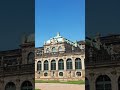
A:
53,54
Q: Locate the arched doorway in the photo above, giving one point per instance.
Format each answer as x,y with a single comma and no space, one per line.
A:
10,86
26,85
103,82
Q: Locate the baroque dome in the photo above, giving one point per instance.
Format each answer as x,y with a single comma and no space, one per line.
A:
58,39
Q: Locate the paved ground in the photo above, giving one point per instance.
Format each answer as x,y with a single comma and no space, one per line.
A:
57,86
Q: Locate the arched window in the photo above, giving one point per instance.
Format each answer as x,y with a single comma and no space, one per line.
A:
38,52
60,48
10,86
53,65
69,64
38,65
61,64
119,83
30,58
78,63
53,49
87,87
103,82
26,85
47,50
45,65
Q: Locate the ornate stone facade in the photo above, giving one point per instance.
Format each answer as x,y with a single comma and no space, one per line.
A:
60,59
102,62
17,67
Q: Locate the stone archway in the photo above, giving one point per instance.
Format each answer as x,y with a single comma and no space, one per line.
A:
26,85
30,58
103,82
10,86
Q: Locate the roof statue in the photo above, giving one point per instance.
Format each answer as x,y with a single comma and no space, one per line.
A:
24,38
28,38
58,34
31,38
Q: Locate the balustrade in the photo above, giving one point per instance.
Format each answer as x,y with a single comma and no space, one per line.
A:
113,60
17,70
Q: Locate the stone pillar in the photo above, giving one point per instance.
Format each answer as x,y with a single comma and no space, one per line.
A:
83,63
42,63
35,65
2,85
65,72
114,82
73,63
56,73
92,81
65,65
56,64
49,64
92,85
18,84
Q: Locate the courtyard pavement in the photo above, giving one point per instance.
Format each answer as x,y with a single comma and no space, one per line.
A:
58,86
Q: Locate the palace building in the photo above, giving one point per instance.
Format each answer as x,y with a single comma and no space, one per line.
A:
102,63
60,59
17,66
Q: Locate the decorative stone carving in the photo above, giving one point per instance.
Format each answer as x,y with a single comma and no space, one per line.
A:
91,74
114,72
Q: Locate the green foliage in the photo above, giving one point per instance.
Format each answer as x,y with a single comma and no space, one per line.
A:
63,82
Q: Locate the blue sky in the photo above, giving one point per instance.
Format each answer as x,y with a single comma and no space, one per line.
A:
64,16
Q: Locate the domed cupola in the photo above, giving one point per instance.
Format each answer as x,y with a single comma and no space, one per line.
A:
57,39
